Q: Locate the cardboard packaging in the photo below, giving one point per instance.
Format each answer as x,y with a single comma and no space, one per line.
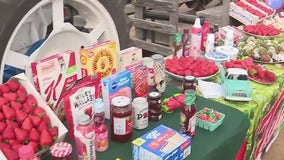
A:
99,58
52,75
161,143
118,84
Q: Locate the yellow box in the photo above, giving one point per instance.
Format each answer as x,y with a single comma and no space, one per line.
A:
99,58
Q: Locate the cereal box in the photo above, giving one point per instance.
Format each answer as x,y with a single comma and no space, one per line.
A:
99,58
52,75
161,143
118,84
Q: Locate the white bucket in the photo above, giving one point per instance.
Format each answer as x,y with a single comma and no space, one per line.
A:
232,52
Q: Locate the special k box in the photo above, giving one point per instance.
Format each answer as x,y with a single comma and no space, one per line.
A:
118,84
99,58
52,75
161,143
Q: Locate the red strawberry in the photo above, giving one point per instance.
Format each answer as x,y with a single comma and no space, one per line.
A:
4,88
1,116
9,113
16,147
31,100
42,126
38,111
16,105
22,96
3,101
88,111
34,135
21,134
45,138
3,125
35,120
27,124
12,123
54,132
4,145
46,119
252,72
8,133
34,145
270,76
11,96
10,154
12,84
21,116
27,108
22,89
13,142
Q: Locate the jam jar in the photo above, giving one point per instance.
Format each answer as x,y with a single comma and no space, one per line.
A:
155,108
121,119
189,82
61,151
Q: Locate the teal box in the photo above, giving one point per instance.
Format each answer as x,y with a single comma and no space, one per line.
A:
161,143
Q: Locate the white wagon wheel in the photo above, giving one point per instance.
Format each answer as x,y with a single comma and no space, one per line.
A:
33,29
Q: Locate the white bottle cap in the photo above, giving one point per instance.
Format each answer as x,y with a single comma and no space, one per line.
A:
197,23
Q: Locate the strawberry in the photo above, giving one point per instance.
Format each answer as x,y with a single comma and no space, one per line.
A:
54,132
260,73
9,113
270,76
46,119
42,126
34,135
22,96
27,124
16,147
3,101
13,142
22,89
12,84
35,120
10,154
27,108
16,105
3,125
8,133
45,138
31,100
21,116
38,111
11,96
4,88
252,72
1,116
34,145
21,134
4,145
12,123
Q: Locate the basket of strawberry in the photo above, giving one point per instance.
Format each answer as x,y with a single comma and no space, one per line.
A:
209,119
25,119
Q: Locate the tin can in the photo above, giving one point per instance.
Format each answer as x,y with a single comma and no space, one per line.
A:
61,151
149,62
159,73
140,81
140,113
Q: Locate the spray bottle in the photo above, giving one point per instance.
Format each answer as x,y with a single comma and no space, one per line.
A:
196,33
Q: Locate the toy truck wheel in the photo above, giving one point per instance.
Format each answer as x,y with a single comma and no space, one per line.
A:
32,30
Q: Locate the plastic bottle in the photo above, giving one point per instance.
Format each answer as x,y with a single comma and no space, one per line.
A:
205,32
229,38
100,126
85,138
26,152
185,43
178,45
196,33
210,43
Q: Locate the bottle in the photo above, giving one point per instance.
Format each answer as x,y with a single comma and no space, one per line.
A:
159,73
61,151
26,152
178,45
188,113
205,32
229,38
210,43
155,108
196,33
100,126
189,82
185,43
121,119
140,113
85,138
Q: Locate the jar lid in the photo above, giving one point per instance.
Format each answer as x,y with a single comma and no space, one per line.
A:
61,149
157,57
120,101
141,67
189,78
139,100
26,152
83,119
154,95
98,105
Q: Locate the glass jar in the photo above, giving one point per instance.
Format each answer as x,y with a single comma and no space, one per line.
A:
155,108
61,151
159,73
121,119
189,82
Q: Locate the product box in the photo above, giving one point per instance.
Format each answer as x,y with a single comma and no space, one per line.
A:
101,58
62,130
161,143
130,58
52,75
118,84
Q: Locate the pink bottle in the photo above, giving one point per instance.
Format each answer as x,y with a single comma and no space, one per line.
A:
85,138
205,32
196,33
26,152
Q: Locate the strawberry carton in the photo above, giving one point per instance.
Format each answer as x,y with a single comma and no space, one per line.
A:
28,120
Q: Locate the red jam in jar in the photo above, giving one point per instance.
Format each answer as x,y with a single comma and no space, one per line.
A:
155,108
121,119
189,82
61,151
